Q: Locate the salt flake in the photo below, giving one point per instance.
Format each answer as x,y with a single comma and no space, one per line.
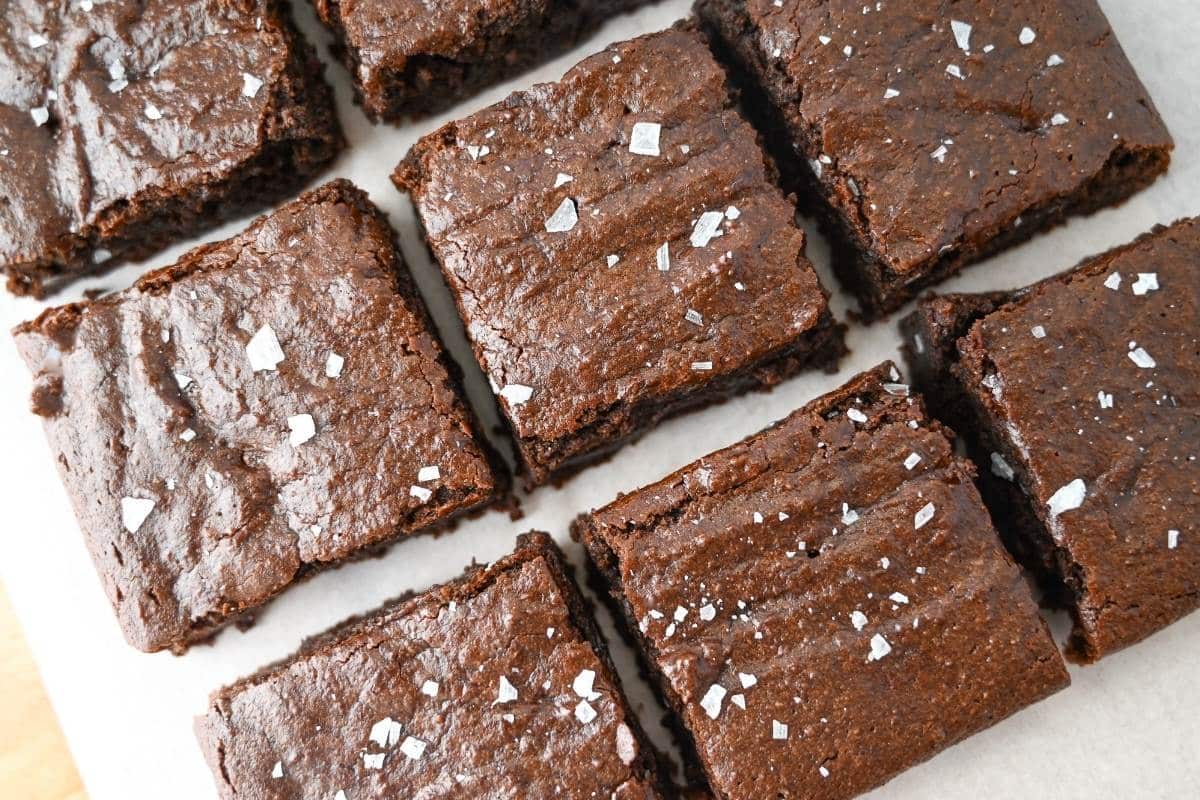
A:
134,511
1139,356
879,648
962,34
516,393
707,228
1068,498
711,702
644,139
923,516
412,747
1001,468
506,692
584,712
250,85
582,685
334,365
564,218
662,257
302,429
1146,282
263,350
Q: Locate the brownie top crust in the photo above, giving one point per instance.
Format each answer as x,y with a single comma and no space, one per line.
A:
1091,381
932,126
615,238
268,404
826,603
109,111
491,686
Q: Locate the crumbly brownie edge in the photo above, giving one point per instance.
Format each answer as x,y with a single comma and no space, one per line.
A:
61,321
211,728
879,292
429,83
302,136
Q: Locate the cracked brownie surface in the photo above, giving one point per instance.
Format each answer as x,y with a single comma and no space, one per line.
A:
268,405
126,125
826,603
618,249
1083,393
495,685
936,133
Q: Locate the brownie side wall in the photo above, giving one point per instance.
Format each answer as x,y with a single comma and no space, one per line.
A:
428,83
582,617
938,323
855,260
615,426
302,136
604,576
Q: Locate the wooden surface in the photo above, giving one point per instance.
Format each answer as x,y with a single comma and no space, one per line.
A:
34,762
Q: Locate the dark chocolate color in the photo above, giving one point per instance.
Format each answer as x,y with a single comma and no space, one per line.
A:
927,146
309,719
584,335
129,125
413,58
836,574
152,396
1073,379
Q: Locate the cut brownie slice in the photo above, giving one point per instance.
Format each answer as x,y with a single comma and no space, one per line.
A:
126,125
618,250
1080,396
937,134
412,58
267,406
826,603
495,685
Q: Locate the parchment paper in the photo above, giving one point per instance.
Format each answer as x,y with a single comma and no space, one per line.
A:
1127,728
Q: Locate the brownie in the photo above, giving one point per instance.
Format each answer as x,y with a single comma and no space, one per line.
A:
495,685
931,135
409,58
618,250
267,406
826,603
125,126
1079,396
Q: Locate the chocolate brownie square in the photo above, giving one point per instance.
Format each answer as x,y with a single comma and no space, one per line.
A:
931,134
266,407
618,250
413,58
495,685
1079,395
826,603
126,125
